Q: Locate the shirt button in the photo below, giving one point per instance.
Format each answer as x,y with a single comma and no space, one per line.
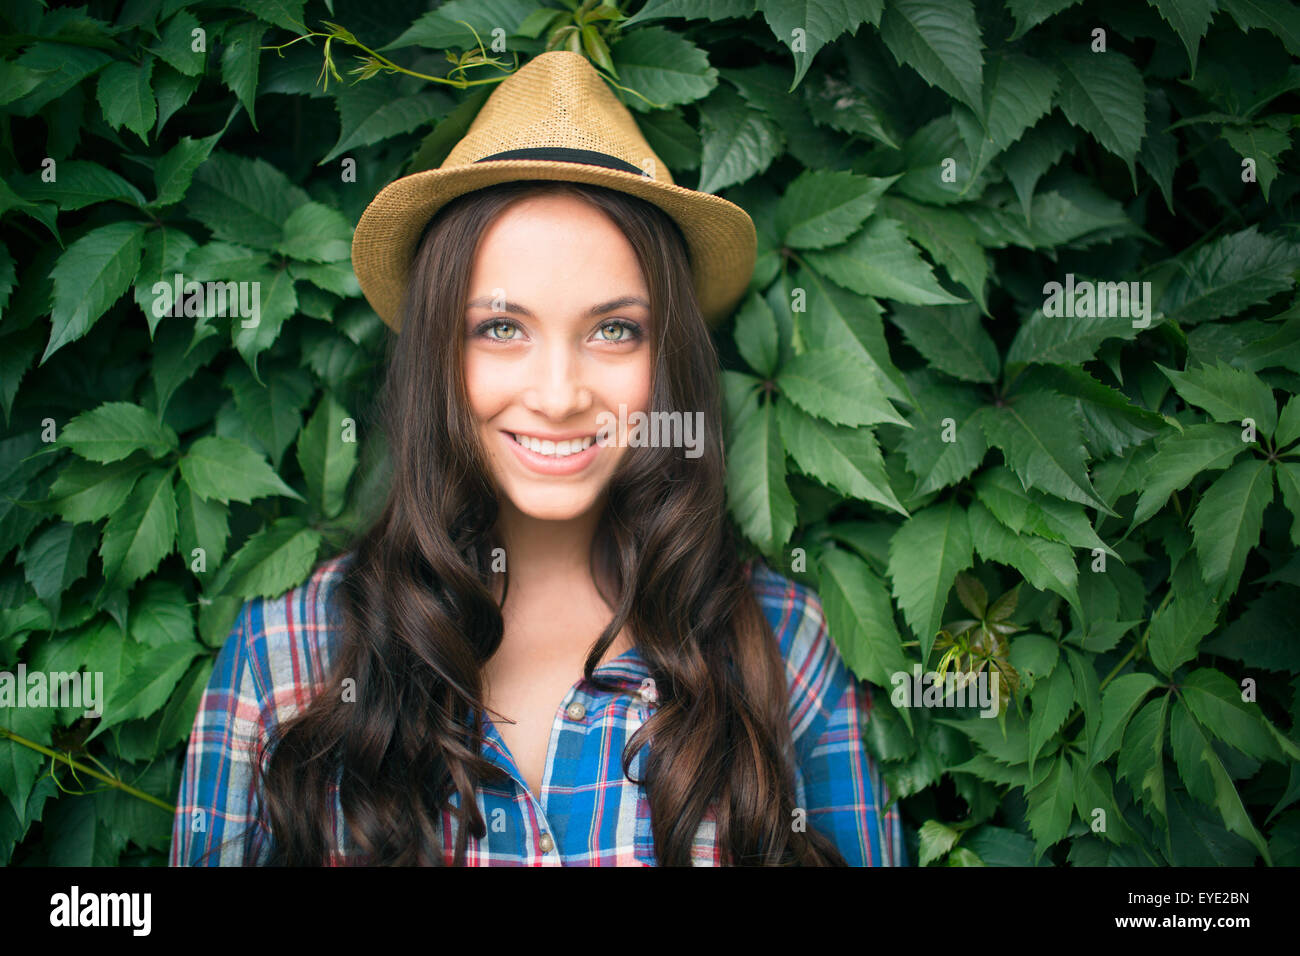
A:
546,843
576,711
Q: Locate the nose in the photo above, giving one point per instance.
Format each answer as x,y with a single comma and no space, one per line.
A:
555,385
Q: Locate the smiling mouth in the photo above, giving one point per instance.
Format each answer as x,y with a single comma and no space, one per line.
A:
553,449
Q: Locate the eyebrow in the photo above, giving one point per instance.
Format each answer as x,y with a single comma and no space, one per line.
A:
514,307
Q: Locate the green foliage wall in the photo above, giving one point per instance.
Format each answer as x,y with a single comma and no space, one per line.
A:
1095,499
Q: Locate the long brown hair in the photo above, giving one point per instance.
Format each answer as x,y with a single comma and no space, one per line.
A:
419,618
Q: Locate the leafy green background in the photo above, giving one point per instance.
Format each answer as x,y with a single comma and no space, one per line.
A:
1070,501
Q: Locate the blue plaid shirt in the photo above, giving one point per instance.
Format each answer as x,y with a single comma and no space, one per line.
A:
589,814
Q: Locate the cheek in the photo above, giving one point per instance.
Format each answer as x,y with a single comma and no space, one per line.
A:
488,391
631,385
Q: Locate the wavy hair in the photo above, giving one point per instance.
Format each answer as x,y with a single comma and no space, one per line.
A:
419,618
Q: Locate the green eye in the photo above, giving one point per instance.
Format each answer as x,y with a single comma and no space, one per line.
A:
501,325
631,331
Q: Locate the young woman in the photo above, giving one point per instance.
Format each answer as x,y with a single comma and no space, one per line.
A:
546,650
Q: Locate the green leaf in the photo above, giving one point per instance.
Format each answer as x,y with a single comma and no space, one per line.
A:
164,256
19,765
1052,699
1035,513
1141,758
925,554
276,303
756,335
664,67
1017,94
880,261
846,459
1182,456
370,113
274,410
439,29
1103,94
1111,423
756,490
1228,519
936,841
1051,805
1011,748
327,454
1288,481
839,320
1030,13
1288,423
54,559
1040,435
143,532
243,200
1070,339
175,171
943,410
1034,154
79,184
838,387
1192,749
859,616
1217,703
275,559
126,96
940,39
1190,19
116,429
1229,394
818,22
1278,18
200,524
317,233
1159,152
949,238
88,491
1177,627
1119,701
221,469
823,208
1261,636
1229,274
951,339
740,142
149,677
1262,144
239,62
176,45
1047,565
160,614
90,276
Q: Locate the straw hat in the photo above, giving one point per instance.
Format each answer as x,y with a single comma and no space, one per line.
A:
553,118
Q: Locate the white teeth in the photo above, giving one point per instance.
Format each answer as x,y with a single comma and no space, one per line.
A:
553,449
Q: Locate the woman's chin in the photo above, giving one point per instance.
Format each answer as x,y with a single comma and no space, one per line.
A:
563,505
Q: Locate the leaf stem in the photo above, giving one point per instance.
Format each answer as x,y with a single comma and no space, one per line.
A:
107,778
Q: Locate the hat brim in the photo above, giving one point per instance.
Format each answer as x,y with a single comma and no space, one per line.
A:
720,236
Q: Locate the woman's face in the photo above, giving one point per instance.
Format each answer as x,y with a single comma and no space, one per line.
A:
557,333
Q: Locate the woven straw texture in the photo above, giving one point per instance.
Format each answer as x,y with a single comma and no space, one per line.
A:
557,99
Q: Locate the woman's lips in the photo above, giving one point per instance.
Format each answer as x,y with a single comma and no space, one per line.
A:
549,465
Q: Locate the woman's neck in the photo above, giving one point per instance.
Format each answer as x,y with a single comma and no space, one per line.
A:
542,555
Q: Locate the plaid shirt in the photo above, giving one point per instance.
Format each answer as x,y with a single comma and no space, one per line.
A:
589,814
